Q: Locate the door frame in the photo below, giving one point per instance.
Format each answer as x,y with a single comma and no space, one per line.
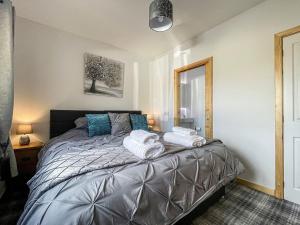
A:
279,116
208,63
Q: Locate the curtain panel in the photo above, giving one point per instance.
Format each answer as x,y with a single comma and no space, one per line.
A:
6,85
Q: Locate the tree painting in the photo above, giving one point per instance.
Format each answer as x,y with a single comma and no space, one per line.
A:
113,77
103,76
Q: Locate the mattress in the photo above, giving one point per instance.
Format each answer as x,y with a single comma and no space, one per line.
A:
82,180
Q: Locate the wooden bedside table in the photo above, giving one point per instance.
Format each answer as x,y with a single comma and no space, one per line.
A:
27,158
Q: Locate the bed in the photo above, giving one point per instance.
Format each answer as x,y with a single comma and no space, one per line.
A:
82,180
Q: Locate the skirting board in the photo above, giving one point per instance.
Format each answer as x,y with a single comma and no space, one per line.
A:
256,187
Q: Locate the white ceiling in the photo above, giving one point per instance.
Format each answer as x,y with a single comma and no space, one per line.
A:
124,23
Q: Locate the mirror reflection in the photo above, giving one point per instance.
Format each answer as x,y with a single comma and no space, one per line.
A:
192,99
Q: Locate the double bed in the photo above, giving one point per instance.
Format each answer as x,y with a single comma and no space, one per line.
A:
83,180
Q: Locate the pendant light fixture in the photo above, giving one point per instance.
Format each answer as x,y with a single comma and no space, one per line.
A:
161,15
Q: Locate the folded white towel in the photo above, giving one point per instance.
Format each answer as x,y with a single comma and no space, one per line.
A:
187,141
144,137
184,131
192,137
144,151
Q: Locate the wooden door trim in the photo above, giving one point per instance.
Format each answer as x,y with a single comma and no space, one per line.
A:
279,142
208,63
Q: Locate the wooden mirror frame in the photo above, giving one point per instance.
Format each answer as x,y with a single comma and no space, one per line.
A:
208,63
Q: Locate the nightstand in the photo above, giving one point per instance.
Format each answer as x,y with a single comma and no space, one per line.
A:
27,158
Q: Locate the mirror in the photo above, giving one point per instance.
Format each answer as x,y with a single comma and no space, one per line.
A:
193,97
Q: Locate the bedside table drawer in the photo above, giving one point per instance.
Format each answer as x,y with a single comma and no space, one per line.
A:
27,158
26,161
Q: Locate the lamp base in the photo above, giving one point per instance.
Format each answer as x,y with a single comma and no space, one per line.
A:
24,140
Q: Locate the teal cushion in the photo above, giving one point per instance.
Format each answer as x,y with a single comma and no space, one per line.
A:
98,124
139,122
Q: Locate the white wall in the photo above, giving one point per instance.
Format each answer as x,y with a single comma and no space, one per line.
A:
244,92
49,75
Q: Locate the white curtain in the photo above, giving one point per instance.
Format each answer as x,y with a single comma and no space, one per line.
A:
161,92
162,86
6,83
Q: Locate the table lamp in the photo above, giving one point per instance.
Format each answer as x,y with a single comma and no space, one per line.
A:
24,130
151,121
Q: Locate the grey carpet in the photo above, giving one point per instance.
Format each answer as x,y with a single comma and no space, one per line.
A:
244,206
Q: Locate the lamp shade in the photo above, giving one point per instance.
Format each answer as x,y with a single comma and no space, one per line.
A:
151,122
161,15
24,129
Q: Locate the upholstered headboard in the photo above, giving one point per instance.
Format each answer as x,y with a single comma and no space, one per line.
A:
63,120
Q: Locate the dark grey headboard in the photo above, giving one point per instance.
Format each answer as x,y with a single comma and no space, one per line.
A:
63,120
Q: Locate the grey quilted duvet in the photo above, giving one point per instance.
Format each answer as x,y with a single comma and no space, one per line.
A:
82,181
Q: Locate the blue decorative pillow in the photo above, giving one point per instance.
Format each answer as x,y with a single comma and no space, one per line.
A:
98,124
139,122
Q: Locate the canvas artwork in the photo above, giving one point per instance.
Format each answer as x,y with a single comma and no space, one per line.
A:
103,76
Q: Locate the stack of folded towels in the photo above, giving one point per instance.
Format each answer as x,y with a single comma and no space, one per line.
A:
143,144
184,136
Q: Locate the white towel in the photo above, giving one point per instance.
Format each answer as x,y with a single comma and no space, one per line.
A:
184,131
144,151
187,141
144,137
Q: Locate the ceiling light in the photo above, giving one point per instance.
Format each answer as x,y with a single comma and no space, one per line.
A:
161,15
